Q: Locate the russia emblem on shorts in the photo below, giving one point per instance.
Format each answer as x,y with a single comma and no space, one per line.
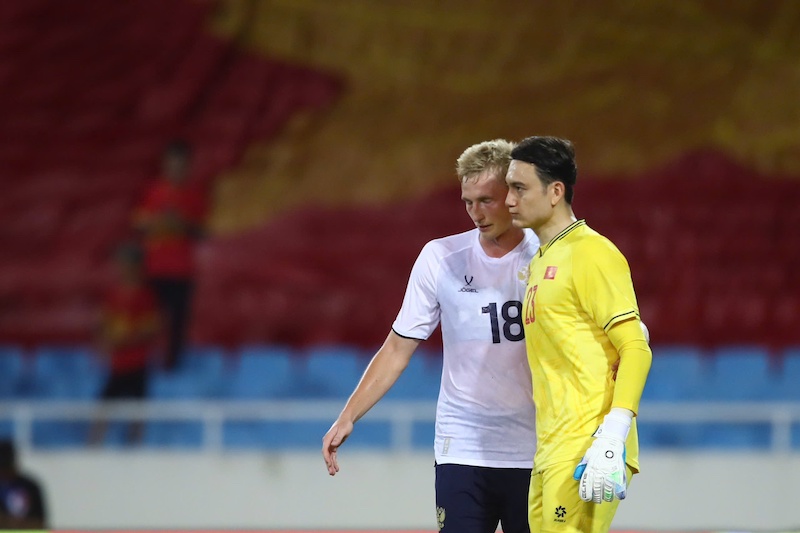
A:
550,273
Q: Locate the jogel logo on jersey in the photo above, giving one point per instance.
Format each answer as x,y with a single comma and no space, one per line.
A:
467,288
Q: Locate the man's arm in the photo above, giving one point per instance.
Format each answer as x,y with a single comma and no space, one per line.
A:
381,373
630,340
601,472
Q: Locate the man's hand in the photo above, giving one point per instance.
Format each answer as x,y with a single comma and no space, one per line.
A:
601,473
334,438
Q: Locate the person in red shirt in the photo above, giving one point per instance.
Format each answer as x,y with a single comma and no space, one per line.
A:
127,335
171,219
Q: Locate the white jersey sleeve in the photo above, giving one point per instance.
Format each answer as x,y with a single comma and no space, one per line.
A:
420,313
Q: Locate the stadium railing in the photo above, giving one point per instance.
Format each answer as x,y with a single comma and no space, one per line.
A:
777,425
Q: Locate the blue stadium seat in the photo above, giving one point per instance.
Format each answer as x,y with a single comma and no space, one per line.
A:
179,385
295,435
796,436
422,435
12,371
787,385
71,372
737,436
261,372
331,372
59,434
118,433
200,374
208,362
64,360
739,373
274,434
676,374
244,434
176,386
669,435
6,429
173,434
64,373
420,380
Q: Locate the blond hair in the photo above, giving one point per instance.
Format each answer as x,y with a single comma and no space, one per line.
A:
493,156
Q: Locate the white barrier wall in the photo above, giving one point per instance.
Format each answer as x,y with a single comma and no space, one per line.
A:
89,490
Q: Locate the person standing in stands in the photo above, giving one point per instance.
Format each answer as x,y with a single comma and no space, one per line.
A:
127,334
588,350
171,221
22,503
472,284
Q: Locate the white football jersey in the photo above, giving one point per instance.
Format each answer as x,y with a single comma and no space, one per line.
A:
485,413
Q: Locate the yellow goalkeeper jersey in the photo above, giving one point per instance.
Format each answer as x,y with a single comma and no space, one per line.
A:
579,286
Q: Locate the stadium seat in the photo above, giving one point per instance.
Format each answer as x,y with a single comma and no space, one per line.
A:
184,384
173,434
422,435
676,374
330,372
204,361
739,373
66,373
300,434
420,380
69,360
795,436
11,371
787,385
6,429
200,374
261,372
667,435
176,386
736,436
59,434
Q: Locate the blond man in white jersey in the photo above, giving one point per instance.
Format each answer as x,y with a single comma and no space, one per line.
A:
472,284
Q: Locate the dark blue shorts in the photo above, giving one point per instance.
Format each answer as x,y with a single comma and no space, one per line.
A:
474,499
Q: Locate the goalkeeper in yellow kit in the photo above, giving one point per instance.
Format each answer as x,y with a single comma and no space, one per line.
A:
587,348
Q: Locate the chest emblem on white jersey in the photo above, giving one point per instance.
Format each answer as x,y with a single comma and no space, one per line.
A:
524,273
467,288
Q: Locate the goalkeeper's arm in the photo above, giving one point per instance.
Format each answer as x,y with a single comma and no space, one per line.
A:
629,339
601,472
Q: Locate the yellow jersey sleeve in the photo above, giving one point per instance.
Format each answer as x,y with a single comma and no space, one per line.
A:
634,363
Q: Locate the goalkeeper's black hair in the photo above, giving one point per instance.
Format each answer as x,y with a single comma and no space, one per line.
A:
554,159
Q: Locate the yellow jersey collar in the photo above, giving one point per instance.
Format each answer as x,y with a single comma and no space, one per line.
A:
566,231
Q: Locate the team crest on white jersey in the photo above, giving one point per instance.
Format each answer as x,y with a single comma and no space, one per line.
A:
467,287
524,273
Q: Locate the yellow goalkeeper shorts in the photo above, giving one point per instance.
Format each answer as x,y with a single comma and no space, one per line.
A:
554,503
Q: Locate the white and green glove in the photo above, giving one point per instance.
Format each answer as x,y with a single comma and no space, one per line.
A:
601,473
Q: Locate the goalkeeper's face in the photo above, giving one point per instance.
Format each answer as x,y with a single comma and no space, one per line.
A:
528,199
484,197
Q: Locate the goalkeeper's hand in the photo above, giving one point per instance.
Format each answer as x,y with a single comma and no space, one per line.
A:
601,473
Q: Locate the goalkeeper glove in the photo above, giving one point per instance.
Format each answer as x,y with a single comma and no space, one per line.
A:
601,472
